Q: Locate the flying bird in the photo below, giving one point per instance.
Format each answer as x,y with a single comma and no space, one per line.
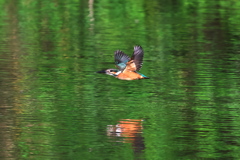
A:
127,67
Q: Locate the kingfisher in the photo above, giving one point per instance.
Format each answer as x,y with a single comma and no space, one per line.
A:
127,67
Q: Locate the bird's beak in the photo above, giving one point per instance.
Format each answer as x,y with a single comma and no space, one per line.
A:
103,71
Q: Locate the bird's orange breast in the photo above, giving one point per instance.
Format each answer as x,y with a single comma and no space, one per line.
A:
129,76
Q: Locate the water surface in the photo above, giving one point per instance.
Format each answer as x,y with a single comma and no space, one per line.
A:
54,105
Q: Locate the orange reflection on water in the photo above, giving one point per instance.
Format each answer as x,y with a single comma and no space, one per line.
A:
130,129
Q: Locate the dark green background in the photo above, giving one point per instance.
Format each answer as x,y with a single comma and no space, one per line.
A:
54,105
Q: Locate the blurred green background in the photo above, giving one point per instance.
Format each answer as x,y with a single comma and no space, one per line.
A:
54,105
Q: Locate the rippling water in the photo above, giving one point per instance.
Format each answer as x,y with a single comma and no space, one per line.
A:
54,105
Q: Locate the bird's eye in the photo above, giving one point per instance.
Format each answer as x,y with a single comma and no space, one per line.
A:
111,70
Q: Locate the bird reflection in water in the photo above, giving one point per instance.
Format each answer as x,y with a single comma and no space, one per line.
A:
130,131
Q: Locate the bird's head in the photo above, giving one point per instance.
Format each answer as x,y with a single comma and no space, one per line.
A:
111,72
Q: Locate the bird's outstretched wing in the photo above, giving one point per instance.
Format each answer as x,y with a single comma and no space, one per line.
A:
137,57
121,59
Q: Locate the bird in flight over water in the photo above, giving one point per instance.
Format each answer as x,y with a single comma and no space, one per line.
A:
127,67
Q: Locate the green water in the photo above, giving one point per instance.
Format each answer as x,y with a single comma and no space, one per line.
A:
55,106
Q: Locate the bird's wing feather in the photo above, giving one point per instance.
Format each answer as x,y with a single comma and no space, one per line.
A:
121,59
137,57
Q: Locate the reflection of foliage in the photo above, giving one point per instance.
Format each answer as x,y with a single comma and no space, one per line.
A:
190,56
